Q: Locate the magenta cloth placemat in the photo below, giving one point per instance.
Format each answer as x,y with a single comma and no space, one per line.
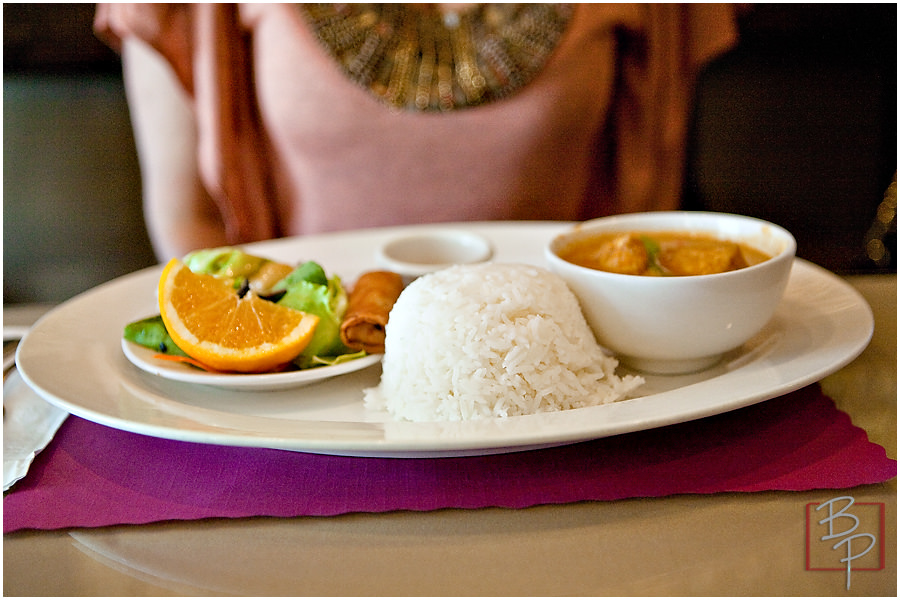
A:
92,475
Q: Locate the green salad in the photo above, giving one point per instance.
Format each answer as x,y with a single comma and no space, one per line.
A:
305,288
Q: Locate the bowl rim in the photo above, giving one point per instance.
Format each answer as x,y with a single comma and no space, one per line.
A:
586,227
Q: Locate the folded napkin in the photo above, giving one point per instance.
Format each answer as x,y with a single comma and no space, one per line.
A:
91,475
29,423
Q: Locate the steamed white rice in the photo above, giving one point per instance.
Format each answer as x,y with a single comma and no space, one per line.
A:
491,340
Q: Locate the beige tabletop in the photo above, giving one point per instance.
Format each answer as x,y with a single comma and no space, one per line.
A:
722,544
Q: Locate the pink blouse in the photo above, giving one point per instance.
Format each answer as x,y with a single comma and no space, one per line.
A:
289,145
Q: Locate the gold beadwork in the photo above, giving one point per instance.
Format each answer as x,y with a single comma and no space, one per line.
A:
417,57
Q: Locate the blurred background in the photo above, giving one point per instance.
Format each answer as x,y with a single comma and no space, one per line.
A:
797,125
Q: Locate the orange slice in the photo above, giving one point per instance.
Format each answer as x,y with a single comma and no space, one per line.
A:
209,321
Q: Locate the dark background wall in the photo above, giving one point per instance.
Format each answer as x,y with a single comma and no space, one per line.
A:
72,214
797,125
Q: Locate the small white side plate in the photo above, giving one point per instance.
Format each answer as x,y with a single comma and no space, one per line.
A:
142,358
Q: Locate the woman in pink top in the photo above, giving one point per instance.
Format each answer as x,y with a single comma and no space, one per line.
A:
256,121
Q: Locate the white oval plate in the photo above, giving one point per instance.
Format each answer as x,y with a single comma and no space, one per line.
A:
142,358
73,358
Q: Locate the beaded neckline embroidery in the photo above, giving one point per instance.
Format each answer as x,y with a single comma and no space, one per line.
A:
417,57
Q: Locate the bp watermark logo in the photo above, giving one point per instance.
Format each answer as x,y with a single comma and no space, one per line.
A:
845,535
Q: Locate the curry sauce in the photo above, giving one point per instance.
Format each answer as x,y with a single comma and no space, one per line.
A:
661,253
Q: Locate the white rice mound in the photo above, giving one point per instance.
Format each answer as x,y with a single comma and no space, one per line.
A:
491,340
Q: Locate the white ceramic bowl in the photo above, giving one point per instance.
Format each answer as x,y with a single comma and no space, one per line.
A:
424,252
679,324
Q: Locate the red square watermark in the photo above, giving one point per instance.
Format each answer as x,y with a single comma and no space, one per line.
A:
844,535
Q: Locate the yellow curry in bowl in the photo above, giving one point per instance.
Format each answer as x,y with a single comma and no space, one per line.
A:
660,253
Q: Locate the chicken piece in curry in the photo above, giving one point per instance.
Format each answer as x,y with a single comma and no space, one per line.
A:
661,254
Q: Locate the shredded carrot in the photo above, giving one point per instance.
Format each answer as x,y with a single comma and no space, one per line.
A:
185,359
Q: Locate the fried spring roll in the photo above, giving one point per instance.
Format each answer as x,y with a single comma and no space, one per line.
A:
368,307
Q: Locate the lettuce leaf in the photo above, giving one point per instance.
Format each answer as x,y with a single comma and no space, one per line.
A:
328,302
225,262
151,333
309,271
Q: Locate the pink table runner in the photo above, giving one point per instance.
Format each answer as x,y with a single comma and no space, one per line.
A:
92,475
